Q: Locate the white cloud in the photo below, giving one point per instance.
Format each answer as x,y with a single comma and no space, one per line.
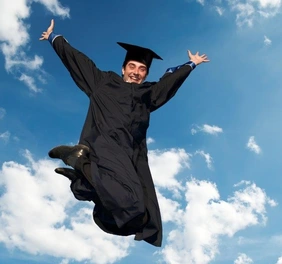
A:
165,165
243,259
55,7
171,210
42,79
207,158
219,10
267,41
14,35
197,221
253,146
150,140
194,131
36,210
202,2
213,130
268,3
5,136
30,82
15,138
246,11
2,113
206,219
243,241
279,261
243,182
27,63
65,261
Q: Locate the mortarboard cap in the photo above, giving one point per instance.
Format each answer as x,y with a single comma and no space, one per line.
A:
139,54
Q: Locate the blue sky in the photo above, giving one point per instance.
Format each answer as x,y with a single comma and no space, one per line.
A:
214,149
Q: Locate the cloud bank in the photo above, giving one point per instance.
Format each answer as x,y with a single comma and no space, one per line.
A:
37,207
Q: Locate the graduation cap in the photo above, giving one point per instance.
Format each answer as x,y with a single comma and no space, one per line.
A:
139,54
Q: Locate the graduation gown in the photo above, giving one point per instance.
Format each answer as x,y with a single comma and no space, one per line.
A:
115,131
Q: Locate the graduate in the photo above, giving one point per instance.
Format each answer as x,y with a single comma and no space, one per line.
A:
110,163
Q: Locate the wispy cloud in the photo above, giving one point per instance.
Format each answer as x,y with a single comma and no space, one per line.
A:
267,41
243,182
14,38
65,261
246,11
207,158
2,113
219,10
253,146
5,136
202,2
30,82
213,130
243,259
15,138
150,140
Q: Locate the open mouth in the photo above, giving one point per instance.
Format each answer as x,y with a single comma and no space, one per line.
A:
134,79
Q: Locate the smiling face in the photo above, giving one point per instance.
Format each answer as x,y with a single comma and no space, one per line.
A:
134,72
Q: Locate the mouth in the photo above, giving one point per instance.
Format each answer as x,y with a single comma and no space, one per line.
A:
134,79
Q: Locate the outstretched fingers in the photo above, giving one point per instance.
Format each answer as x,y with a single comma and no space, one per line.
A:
197,58
204,57
43,36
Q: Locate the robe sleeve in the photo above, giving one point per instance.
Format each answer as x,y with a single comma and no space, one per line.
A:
82,69
167,86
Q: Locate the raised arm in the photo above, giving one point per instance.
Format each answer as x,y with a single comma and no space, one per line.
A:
173,78
82,69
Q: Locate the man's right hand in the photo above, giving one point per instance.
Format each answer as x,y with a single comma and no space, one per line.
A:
46,34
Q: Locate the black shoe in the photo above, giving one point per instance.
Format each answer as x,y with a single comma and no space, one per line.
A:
67,154
71,174
80,187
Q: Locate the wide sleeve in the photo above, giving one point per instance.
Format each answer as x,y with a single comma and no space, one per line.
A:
82,69
167,86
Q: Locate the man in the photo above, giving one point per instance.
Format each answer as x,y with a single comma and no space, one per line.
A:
110,163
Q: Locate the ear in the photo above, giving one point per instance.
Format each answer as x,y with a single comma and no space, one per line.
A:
122,70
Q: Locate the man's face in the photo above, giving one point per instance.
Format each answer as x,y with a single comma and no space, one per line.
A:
134,72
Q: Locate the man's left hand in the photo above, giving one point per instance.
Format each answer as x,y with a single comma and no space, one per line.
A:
198,59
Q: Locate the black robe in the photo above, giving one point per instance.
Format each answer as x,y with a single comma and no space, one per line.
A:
115,130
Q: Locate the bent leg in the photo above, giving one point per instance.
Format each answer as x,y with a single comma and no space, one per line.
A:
114,178
80,187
